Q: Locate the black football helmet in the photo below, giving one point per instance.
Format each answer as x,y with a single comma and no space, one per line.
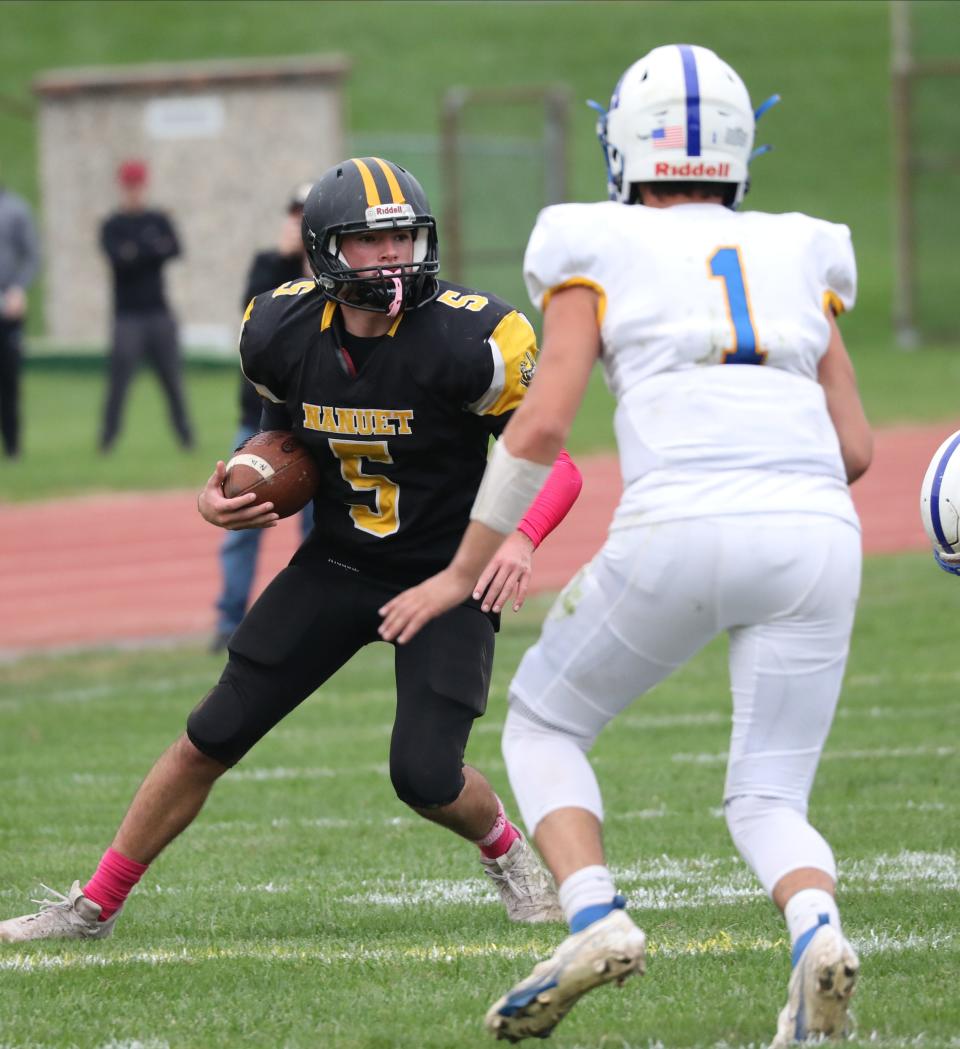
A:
370,194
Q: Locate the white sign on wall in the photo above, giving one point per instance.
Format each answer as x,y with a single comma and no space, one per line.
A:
193,116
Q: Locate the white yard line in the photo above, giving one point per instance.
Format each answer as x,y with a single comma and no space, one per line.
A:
719,944
657,883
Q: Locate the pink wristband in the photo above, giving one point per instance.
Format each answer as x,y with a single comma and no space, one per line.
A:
552,505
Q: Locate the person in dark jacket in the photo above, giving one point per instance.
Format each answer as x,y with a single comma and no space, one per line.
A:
239,549
19,262
138,241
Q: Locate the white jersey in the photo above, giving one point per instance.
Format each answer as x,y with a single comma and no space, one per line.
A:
712,325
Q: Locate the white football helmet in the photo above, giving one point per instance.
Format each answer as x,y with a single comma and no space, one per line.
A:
940,504
679,114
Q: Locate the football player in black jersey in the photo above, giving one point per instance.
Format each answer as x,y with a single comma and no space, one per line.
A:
396,381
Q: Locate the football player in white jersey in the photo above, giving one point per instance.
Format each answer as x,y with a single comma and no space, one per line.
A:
739,427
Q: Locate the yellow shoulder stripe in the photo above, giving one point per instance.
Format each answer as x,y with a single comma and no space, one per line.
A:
516,342
581,282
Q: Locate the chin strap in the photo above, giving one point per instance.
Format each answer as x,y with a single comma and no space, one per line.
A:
397,303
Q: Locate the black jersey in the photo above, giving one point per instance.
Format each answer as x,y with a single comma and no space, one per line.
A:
401,440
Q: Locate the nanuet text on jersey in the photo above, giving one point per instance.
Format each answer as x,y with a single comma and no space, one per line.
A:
359,421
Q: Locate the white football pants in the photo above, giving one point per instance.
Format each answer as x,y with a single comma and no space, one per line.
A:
783,586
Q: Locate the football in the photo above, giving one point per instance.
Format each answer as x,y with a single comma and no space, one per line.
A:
940,498
277,467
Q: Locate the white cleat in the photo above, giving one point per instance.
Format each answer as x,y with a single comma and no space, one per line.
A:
819,993
609,949
525,886
70,917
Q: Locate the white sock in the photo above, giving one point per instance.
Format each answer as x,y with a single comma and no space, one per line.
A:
586,888
804,908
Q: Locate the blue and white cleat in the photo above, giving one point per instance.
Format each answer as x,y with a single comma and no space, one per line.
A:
608,950
821,985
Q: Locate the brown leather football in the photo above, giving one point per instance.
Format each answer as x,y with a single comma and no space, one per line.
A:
277,467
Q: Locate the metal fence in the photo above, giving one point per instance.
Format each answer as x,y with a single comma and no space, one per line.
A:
500,156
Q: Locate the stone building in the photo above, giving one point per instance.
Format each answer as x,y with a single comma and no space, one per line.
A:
226,142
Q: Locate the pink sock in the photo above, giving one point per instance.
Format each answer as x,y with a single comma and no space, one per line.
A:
113,882
500,836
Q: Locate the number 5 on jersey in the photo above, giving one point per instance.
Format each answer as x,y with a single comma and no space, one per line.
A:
726,265
383,519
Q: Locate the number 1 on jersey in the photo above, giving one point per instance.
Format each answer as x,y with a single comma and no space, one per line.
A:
726,265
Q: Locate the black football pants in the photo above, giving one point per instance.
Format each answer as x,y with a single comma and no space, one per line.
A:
306,625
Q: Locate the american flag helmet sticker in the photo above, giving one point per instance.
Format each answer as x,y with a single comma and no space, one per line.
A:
670,137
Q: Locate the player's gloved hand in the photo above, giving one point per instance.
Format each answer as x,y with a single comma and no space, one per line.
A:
507,575
233,514
405,614
948,562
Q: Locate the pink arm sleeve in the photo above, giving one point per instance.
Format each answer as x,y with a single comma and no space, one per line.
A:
551,506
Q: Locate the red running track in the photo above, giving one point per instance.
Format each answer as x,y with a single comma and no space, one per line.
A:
115,568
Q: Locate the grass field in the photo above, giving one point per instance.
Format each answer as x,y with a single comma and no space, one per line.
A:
307,908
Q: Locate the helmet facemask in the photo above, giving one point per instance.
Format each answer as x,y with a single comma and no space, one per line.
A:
375,288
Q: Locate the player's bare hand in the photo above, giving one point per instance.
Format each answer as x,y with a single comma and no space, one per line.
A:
507,575
233,514
405,614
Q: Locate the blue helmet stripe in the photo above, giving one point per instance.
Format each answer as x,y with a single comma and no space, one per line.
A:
935,494
692,84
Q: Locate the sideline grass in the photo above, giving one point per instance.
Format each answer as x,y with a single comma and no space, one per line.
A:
308,908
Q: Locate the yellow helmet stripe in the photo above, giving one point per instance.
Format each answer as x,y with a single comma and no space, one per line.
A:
373,197
395,189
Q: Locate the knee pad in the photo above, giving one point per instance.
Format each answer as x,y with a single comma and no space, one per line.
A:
774,838
217,726
426,785
548,768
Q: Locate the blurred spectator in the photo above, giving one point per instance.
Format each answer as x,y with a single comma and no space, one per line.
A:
238,552
19,261
138,242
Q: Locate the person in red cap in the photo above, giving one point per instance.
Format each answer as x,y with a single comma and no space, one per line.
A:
138,241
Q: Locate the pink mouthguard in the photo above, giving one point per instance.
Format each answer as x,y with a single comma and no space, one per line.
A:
397,293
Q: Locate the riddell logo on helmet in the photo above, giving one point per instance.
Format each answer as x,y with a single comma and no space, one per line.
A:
664,170
386,212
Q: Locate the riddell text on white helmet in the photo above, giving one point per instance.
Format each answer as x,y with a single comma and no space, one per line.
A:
663,169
